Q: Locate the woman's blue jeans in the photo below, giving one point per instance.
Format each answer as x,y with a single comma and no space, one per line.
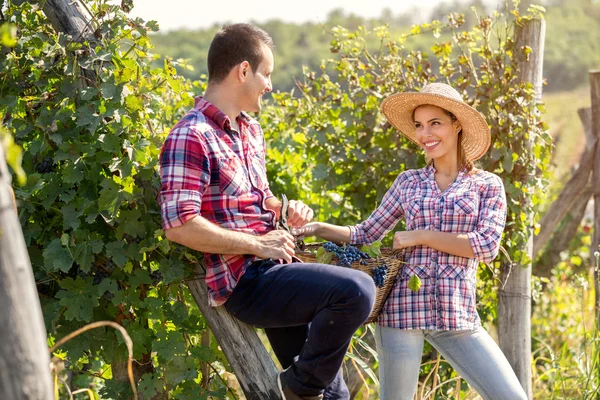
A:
472,353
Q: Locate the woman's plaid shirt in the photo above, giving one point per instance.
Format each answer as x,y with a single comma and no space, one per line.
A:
474,204
207,169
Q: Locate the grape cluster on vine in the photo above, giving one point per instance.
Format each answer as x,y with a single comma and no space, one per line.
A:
102,272
347,254
379,274
47,165
156,277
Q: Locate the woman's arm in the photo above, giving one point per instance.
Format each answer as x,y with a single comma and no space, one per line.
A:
333,233
483,243
457,244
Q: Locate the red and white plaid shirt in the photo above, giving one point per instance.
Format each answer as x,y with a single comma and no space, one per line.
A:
474,204
210,170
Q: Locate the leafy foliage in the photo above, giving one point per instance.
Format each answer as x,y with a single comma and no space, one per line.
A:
91,118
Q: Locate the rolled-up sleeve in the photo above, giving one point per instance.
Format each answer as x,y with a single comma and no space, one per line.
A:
485,240
383,219
185,176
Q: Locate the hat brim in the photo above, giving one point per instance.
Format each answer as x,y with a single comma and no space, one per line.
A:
399,108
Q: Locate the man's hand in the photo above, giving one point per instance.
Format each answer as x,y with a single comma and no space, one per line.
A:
299,213
276,245
405,239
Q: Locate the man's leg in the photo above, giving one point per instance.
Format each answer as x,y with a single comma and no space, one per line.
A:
334,300
287,343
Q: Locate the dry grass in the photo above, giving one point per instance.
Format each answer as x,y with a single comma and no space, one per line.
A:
565,126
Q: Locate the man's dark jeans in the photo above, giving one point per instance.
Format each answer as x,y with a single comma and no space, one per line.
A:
309,312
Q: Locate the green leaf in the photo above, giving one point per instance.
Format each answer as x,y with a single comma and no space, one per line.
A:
110,197
108,285
323,256
180,368
130,223
79,297
373,249
140,276
57,257
13,154
148,386
116,251
168,344
84,252
73,172
8,35
71,213
415,283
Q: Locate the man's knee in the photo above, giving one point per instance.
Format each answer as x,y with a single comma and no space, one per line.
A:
362,289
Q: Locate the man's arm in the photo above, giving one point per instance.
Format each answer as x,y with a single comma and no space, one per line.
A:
200,234
274,204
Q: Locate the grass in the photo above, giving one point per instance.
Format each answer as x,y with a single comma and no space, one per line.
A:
566,127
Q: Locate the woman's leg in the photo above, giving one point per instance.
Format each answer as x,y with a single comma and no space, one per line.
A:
400,353
479,360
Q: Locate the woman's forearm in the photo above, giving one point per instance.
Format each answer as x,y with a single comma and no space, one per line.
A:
333,233
452,243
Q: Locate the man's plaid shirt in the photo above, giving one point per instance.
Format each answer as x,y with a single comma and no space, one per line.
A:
474,204
210,170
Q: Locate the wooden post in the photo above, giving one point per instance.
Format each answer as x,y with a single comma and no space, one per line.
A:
573,189
514,298
595,93
24,356
253,367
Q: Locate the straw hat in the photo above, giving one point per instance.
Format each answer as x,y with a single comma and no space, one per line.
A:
399,108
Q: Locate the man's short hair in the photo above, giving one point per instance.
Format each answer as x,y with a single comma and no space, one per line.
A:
234,44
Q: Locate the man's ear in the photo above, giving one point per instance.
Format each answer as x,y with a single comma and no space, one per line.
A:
243,70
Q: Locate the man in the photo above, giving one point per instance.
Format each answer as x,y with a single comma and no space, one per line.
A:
215,198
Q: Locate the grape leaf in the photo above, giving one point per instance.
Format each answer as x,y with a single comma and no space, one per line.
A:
415,283
323,256
373,249
79,297
57,257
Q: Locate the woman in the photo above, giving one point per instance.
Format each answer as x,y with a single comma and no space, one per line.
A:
454,214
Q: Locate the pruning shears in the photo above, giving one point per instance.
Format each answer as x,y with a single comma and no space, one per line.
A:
283,222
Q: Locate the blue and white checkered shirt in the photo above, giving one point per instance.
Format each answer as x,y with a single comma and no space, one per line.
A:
474,204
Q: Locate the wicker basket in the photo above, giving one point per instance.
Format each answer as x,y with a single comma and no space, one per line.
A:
394,261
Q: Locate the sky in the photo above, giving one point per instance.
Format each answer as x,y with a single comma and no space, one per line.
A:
192,14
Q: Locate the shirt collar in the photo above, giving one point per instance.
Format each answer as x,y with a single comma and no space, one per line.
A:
217,116
429,171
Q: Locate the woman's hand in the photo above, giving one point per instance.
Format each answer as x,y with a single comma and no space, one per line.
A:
404,239
310,229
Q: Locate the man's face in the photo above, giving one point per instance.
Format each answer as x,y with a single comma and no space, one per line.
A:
259,82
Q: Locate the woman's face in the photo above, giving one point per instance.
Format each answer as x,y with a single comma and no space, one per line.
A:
436,132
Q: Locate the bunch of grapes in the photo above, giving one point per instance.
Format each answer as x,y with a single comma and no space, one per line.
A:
103,271
379,274
156,277
47,165
346,255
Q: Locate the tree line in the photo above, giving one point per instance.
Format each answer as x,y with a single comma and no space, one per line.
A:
572,46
